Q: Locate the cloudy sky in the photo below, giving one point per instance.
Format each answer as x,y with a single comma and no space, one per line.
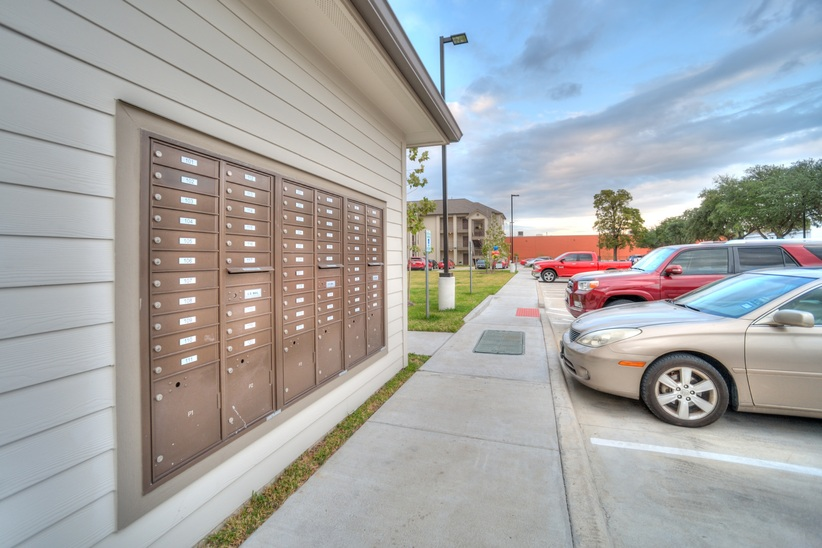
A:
560,99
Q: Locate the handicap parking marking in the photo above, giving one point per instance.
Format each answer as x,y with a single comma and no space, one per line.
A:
794,468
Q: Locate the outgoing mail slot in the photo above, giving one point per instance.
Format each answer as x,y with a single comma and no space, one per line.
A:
297,300
354,338
163,261
248,309
243,259
186,160
183,220
245,210
326,318
329,259
298,286
185,340
297,206
247,227
329,294
183,361
298,328
297,233
329,351
248,342
297,273
248,243
167,303
248,391
297,191
356,207
243,326
183,200
328,200
249,292
162,176
299,374
183,241
326,223
297,259
237,174
248,278
301,313
298,219
164,324
163,282
185,417
249,194
374,337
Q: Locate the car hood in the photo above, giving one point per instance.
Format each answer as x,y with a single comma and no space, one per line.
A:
607,274
639,315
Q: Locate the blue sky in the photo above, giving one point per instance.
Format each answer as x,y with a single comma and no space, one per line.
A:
560,99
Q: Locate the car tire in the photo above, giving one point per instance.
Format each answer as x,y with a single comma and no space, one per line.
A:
548,275
684,390
617,302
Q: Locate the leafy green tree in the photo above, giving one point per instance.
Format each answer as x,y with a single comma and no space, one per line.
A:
671,231
494,236
417,211
617,224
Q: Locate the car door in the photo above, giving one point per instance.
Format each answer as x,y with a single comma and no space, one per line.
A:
576,263
783,363
699,267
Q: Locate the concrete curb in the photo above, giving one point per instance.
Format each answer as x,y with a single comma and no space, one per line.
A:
588,522
478,309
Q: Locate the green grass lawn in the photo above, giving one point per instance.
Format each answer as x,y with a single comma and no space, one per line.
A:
470,291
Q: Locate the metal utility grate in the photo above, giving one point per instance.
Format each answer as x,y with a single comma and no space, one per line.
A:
528,312
501,342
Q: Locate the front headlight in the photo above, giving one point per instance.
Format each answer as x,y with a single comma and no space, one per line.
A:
595,339
587,286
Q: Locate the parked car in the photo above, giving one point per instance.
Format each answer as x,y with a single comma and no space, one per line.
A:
672,271
530,262
501,264
573,262
634,258
433,265
751,342
450,264
523,261
481,263
416,263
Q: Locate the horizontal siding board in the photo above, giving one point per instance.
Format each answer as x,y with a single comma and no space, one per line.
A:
54,261
41,212
33,459
39,408
30,162
56,498
87,527
48,118
32,310
36,359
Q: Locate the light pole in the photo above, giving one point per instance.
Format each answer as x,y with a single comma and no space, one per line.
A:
447,287
511,224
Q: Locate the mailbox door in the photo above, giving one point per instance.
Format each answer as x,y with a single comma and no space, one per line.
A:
298,365
248,392
329,351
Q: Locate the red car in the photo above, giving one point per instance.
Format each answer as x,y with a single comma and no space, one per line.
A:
416,263
450,264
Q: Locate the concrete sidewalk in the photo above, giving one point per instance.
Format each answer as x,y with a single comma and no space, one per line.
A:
466,453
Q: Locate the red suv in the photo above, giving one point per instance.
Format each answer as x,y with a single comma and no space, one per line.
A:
416,263
668,272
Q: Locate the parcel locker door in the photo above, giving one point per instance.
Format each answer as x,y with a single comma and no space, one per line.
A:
298,365
375,339
354,339
248,392
329,351
185,417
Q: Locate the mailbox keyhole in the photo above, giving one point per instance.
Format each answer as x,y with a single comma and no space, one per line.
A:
178,384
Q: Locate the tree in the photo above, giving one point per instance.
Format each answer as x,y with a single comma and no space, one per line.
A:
618,224
494,237
417,211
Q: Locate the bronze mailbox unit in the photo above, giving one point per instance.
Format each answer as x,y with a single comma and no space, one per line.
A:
259,289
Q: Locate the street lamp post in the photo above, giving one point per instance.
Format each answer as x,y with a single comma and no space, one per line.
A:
511,224
447,287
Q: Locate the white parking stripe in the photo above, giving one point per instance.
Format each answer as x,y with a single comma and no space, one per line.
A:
807,470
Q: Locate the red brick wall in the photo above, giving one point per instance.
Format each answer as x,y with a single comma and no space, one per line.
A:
535,246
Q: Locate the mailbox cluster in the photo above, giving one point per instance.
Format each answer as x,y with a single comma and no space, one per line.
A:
259,290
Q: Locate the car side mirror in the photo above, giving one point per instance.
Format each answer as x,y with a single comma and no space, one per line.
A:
795,318
673,269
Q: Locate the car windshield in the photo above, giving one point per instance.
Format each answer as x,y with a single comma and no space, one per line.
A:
736,296
653,259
